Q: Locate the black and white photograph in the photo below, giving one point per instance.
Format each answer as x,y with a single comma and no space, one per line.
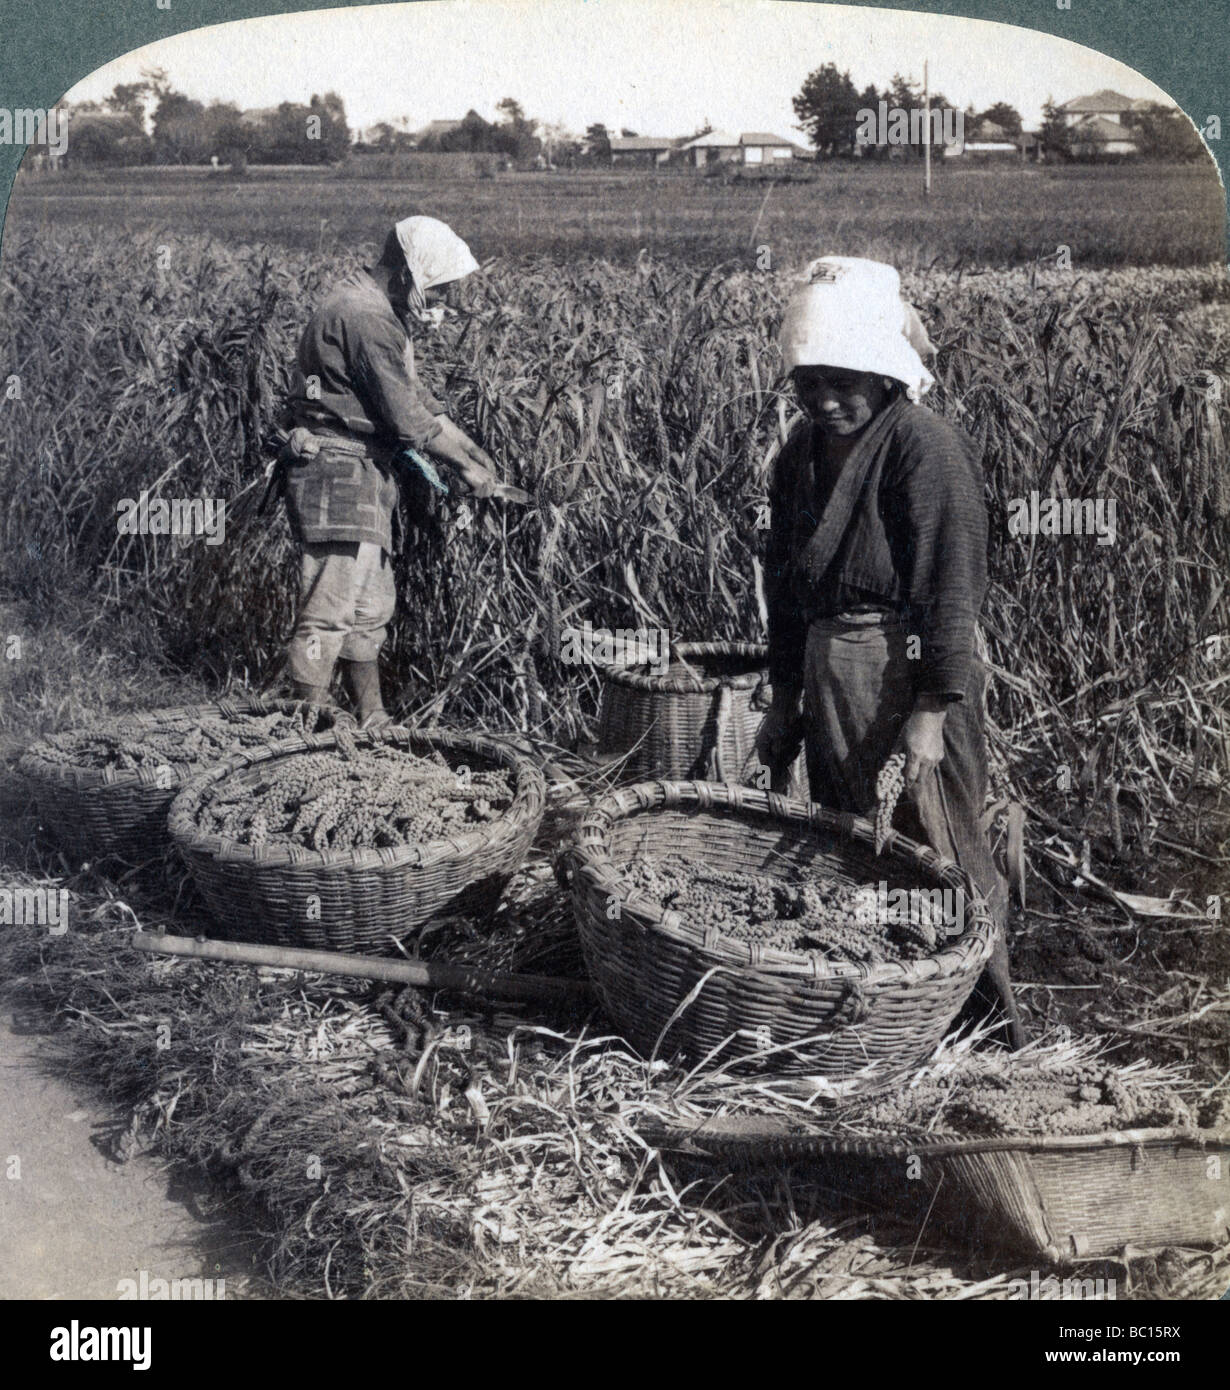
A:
614,665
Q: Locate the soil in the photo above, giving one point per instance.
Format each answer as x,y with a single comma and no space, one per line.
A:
77,1222
1154,985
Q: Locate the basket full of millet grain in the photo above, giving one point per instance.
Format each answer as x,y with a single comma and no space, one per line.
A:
105,787
722,921
350,841
1054,1151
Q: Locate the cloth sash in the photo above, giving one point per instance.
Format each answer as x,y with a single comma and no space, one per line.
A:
817,555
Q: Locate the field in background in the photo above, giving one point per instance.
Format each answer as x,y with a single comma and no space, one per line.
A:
1163,215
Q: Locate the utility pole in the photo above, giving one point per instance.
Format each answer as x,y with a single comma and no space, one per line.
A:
927,131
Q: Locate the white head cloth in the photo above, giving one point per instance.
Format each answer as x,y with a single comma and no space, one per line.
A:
850,314
435,255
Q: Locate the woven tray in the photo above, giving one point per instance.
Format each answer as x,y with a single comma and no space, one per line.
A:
93,812
786,1011
1060,1199
363,900
699,720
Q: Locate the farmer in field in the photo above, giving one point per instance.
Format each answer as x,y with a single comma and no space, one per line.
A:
356,406
875,575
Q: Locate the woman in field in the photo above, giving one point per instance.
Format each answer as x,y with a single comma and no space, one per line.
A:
876,574
357,404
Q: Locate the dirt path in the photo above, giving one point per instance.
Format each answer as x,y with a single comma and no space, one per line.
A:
76,1223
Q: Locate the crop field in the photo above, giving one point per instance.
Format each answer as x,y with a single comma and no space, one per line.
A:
1161,215
639,406
639,398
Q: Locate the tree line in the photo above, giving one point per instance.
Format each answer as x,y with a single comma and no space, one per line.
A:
513,135
184,131
828,105
149,122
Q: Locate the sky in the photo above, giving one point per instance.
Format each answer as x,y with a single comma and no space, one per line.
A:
659,67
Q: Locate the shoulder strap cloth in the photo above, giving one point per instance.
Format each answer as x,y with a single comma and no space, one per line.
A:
817,555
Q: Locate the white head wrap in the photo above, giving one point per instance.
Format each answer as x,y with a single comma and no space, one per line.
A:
850,314
435,255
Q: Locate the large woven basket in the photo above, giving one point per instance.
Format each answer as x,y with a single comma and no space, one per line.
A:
1061,1198
363,900
93,812
698,720
670,985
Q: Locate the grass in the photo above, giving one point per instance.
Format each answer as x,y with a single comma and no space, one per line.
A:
1135,215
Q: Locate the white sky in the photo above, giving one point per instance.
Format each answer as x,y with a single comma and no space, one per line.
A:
659,67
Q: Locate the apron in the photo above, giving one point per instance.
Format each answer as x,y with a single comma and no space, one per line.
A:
858,691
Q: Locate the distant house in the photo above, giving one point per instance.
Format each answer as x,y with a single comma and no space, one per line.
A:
717,147
101,137
761,147
434,130
641,149
1096,125
118,121
258,116
986,140
1108,104
1100,135
752,147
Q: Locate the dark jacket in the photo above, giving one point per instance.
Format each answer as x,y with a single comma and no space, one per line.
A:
359,359
355,376
916,541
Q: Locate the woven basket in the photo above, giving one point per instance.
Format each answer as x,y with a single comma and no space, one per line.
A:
93,812
1062,1198
699,720
669,984
369,899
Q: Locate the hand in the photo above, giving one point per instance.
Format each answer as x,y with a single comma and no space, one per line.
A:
480,480
301,443
473,465
922,739
781,733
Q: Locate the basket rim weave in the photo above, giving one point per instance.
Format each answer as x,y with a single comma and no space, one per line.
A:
596,867
33,764
529,800
691,685
933,1146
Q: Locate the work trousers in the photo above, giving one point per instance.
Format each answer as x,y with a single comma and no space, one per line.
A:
859,689
346,600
